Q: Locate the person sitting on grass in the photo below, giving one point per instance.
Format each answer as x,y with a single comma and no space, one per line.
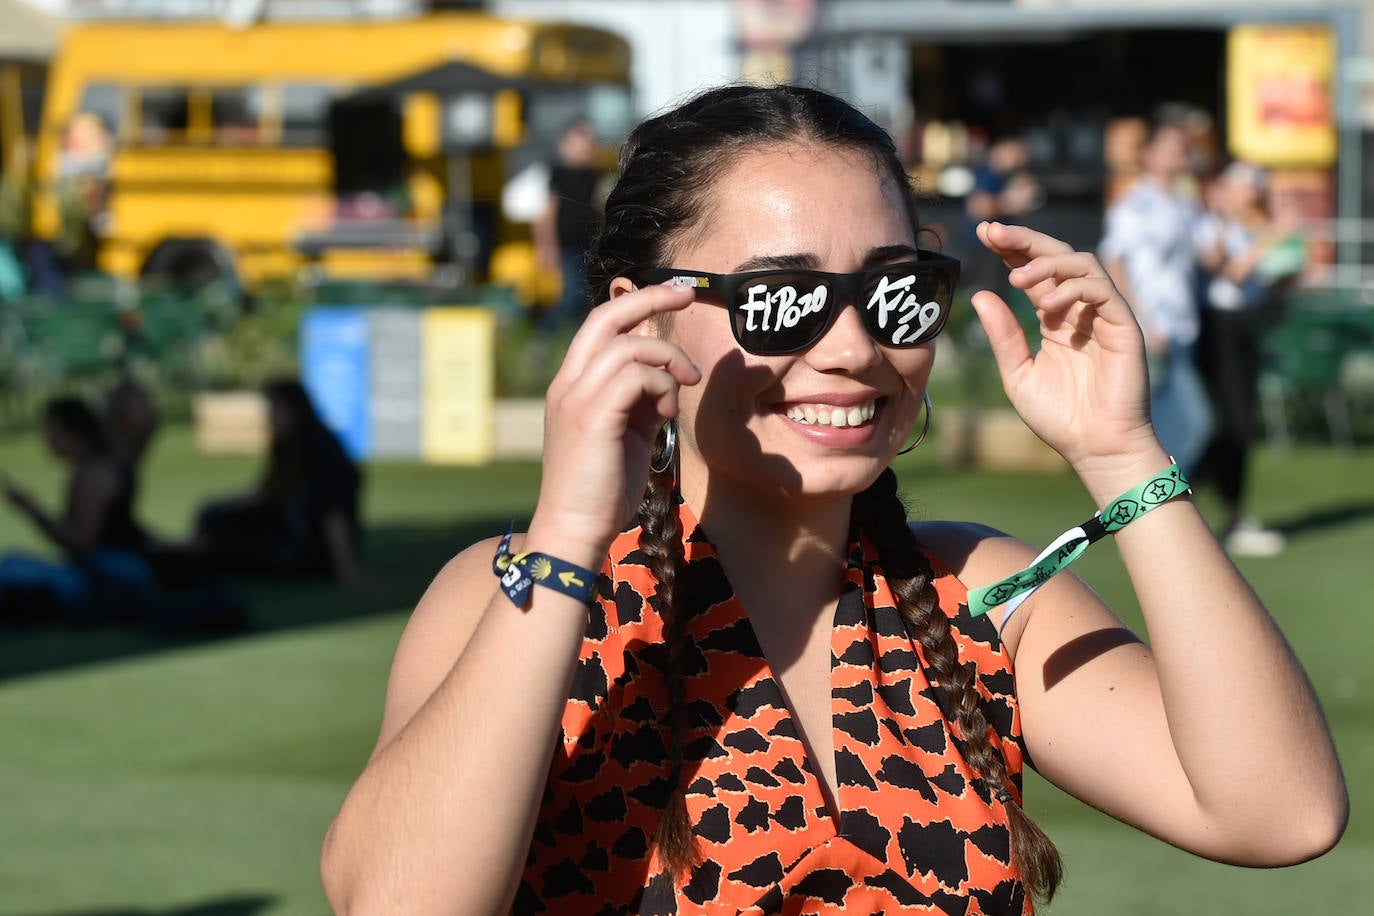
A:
105,577
302,518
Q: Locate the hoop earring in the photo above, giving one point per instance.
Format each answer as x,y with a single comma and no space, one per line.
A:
924,429
669,449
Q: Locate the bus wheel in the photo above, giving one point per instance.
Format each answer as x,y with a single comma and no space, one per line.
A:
190,264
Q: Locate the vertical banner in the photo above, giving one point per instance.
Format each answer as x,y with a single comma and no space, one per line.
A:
458,368
397,401
1280,90
334,370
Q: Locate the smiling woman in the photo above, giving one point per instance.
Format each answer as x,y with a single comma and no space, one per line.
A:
722,672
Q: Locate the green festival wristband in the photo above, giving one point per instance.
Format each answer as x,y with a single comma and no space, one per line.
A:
1070,545
520,572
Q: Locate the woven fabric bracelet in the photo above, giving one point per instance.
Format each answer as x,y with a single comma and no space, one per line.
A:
1070,545
520,572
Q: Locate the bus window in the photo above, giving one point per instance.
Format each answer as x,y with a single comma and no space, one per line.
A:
105,101
548,111
609,110
305,113
369,158
164,113
236,115
605,105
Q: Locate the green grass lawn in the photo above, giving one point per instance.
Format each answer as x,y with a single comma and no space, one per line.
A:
150,776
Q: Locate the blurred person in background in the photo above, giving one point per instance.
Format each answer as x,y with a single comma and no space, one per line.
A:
105,577
724,672
193,599
1149,249
1003,187
16,220
563,231
131,421
1004,190
1242,297
31,265
302,519
132,418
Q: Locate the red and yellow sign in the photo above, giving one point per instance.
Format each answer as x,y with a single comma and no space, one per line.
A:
1280,89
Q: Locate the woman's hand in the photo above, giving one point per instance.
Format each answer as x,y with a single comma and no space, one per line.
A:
617,385
1086,392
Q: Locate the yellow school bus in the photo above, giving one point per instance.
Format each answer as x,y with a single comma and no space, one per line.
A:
364,148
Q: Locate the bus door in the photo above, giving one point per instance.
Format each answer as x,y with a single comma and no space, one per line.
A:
411,162
372,231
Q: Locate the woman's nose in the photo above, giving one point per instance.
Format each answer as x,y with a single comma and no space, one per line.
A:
846,345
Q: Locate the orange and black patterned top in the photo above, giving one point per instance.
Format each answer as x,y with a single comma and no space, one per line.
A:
918,831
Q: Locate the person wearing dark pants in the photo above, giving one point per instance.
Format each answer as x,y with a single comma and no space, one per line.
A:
563,232
1242,298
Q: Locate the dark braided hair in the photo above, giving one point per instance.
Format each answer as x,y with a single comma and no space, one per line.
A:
880,512
669,168
661,540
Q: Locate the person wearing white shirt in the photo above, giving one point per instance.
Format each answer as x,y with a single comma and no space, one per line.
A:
1149,249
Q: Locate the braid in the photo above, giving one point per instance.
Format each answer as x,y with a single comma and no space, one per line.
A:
881,514
661,540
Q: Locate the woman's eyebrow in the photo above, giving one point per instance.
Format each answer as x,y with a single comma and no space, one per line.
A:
777,262
878,256
889,253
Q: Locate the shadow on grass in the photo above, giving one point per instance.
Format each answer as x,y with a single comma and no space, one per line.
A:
401,559
246,905
1324,517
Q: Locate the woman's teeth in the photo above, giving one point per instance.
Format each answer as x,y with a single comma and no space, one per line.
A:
826,415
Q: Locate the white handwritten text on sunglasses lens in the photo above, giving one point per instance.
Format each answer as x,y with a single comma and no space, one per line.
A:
781,308
783,302
891,296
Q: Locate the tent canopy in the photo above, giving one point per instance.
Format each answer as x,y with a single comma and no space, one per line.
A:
451,78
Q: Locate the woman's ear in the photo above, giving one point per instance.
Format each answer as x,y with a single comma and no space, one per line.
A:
646,328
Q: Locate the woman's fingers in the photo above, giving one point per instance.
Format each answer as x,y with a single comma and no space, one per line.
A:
1084,389
1017,245
1093,291
1054,275
1010,349
619,316
610,375
1058,278
599,429
661,388
1058,266
1056,294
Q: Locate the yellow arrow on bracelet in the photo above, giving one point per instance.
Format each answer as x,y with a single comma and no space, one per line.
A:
570,578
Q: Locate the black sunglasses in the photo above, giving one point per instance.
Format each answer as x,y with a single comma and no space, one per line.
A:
782,311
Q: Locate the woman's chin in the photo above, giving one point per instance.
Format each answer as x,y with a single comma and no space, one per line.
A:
841,478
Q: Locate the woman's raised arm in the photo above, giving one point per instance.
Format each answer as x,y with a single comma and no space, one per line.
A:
1211,738
440,820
